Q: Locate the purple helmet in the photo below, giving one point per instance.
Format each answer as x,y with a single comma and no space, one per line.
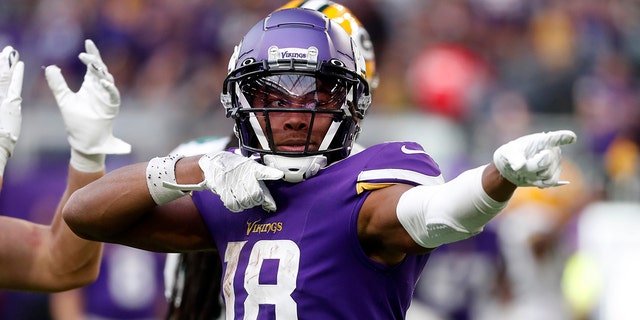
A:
297,52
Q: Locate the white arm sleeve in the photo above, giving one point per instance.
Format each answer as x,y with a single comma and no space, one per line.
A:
439,214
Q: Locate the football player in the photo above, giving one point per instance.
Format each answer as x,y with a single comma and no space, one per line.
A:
192,280
304,229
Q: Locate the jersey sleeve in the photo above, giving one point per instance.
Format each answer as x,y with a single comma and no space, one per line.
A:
397,162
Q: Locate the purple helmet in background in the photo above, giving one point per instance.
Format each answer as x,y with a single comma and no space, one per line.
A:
297,51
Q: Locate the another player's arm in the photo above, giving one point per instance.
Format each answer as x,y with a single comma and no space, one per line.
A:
48,258
32,256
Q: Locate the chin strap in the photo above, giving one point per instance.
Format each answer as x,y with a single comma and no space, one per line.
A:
296,169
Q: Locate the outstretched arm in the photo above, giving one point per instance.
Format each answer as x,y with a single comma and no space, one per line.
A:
429,216
51,257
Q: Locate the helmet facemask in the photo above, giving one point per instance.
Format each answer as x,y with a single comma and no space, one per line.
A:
297,90
296,114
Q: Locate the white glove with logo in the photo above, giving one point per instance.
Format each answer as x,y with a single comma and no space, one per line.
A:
533,160
238,180
88,114
11,75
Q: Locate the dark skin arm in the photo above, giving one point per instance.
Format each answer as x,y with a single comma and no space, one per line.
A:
382,236
135,220
119,209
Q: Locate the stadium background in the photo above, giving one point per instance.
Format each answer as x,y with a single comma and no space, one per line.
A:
459,76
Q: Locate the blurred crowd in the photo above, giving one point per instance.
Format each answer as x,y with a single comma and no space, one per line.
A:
459,76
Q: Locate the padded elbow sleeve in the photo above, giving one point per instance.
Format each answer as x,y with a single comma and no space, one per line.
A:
456,210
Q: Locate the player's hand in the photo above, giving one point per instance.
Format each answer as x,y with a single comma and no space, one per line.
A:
88,114
11,75
238,180
533,160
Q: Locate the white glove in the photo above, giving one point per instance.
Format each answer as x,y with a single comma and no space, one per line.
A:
88,114
11,75
238,180
533,160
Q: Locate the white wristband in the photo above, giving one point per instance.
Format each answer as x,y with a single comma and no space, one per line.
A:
160,170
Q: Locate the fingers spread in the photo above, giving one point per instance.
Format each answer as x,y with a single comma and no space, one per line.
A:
95,66
6,51
56,82
10,54
91,48
8,59
89,59
112,90
15,87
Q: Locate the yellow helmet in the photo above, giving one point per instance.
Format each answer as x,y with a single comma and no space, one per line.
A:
345,18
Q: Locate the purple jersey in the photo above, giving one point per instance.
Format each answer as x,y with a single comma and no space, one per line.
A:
305,260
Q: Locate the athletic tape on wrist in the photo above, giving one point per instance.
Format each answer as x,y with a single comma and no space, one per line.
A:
159,170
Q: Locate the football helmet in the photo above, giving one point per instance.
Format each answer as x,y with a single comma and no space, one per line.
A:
297,63
346,19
